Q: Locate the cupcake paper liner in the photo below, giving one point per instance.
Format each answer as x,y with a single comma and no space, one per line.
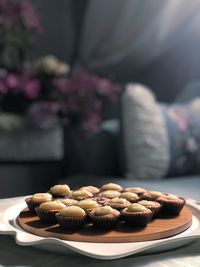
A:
55,196
171,207
32,205
46,216
138,219
105,222
155,210
68,222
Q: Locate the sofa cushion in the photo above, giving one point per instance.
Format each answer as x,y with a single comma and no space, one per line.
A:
160,140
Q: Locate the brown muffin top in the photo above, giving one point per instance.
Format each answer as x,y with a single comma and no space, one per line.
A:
52,206
109,194
152,194
136,208
171,198
87,204
111,186
41,197
136,190
118,200
72,211
68,201
148,203
129,196
90,188
60,189
81,194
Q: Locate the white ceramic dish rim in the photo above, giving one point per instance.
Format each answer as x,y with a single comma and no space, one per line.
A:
105,251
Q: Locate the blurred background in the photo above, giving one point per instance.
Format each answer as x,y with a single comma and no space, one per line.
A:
63,69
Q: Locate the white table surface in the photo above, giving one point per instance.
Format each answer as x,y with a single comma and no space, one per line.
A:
12,254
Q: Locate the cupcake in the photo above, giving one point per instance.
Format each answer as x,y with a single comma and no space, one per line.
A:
60,191
132,197
47,210
81,194
92,189
102,201
72,217
68,201
136,215
36,199
136,190
87,204
151,195
109,194
104,217
171,204
118,203
154,206
111,186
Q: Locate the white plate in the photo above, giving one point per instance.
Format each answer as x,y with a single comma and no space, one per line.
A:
104,251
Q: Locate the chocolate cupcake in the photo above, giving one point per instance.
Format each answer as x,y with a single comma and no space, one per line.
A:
37,199
151,195
104,217
136,190
118,203
72,217
171,204
136,215
81,194
47,210
111,186
60,191
92,189
109,194
154,206
132,197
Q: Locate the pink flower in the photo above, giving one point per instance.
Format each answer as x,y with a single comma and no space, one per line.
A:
29,16
12,80
14,13
8,13
32,88
84,79
106,88
62,84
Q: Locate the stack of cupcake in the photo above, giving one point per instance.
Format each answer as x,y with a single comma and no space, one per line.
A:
102,207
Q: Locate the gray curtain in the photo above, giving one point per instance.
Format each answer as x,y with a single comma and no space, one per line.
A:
59,34
152,41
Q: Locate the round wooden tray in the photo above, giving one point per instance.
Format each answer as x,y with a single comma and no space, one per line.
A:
157,229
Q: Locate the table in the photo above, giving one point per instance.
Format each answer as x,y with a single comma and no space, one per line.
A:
12,254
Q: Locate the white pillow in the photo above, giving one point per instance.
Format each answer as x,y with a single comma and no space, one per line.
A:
145,135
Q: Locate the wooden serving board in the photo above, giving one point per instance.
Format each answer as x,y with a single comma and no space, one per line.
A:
157,229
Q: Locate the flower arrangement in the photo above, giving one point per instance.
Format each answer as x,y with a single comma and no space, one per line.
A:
18,24
45,92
